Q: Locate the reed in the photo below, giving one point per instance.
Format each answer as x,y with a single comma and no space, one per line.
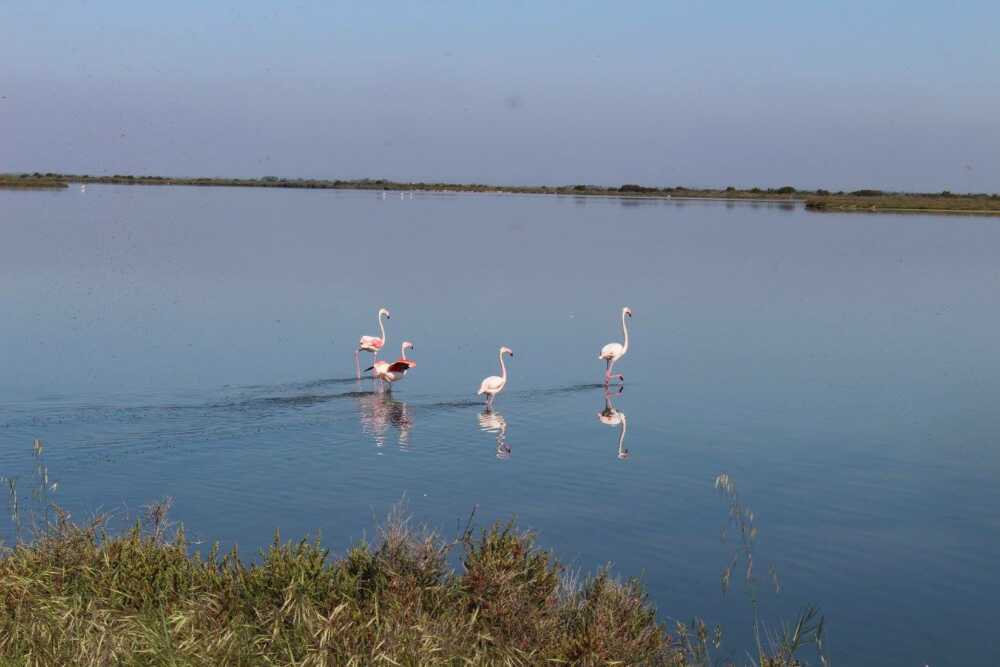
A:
78,594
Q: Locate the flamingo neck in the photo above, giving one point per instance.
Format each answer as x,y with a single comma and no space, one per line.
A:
402,351
621,438
503,369
625,331
381,326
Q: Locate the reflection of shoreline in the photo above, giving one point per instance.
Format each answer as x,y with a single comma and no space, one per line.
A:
612,417
493,422
379,411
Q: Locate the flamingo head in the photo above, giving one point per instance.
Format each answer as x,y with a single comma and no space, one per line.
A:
383,311
407,345
627,311
507,350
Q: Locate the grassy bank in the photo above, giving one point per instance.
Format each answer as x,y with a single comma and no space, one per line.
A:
77,595
869,201
31,181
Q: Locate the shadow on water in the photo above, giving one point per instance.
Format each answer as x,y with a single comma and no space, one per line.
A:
569,389
450,405
300,401
304,384
311,384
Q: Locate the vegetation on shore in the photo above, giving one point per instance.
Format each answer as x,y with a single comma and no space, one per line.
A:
31,181
816,200
78,595
865,201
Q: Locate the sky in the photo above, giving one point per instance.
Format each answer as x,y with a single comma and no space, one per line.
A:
893,95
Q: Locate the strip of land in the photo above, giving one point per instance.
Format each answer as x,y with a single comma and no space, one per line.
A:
30,182
863,201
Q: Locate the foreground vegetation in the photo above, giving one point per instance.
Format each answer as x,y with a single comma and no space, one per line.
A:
817,200
77,595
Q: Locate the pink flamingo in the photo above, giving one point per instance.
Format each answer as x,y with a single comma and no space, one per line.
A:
394,372
612,352
371,343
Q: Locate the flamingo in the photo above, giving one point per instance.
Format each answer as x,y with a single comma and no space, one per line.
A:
612,417
371,343
395,371
612,352
494,384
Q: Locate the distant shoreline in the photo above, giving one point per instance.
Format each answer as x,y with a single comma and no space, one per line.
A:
861,201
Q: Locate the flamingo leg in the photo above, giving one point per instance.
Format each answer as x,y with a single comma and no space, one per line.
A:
607,376
357,364
607,372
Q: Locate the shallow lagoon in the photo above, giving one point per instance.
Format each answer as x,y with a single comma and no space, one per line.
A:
842,369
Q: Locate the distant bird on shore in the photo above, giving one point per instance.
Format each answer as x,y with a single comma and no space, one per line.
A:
612,352
371,343
395,371
494,384
83,187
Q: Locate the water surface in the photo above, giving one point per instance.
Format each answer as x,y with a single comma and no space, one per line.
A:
843,370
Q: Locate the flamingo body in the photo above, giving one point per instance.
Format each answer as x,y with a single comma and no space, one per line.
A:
370,344
612,352
494,384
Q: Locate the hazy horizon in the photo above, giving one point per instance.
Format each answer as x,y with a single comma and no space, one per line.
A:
900,96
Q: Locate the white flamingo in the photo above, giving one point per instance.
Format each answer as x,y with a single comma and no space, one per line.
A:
395,371
494,384
371,343
612,352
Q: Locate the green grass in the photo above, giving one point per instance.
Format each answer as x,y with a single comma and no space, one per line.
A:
945,202
31,181
77,595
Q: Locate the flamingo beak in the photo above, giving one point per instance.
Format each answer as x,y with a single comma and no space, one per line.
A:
369,368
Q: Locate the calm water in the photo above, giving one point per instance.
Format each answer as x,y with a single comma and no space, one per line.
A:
843,370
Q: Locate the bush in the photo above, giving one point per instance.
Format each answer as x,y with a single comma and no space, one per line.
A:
78,595
632,187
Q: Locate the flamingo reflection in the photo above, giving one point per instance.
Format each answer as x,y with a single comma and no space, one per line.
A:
612,417
379,412
493,422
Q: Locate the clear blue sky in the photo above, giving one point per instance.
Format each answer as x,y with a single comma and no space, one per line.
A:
902,95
